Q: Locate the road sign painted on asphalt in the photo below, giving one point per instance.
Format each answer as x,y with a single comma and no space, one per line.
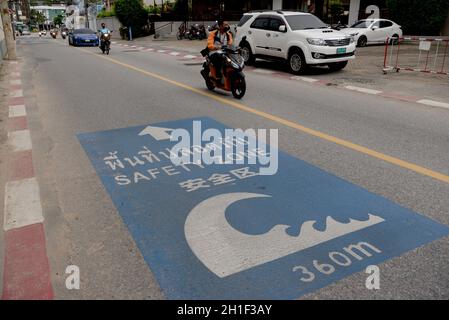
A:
223,231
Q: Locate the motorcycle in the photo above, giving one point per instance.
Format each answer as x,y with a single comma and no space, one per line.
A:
197,32
64,34
105,44
182,31
53,34
234,79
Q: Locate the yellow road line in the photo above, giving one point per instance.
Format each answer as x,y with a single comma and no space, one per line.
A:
312,132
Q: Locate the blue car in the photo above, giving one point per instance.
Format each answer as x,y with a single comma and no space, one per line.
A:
83,37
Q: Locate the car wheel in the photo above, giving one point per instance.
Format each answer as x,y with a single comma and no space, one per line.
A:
362,41
297,61
337,66
247,54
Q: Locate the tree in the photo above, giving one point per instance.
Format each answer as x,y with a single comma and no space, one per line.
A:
336,9
37,16
131,13
419,17
57,21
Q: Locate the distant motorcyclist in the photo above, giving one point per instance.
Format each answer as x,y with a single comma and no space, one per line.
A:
103,31
215,41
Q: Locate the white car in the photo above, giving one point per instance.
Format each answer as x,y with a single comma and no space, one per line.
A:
299,38
373,31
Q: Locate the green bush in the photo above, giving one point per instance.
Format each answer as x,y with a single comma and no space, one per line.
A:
419,17
131,13
105,14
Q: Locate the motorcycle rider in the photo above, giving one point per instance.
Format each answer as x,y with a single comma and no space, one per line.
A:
103,30
215,41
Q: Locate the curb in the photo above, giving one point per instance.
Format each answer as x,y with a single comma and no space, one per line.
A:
26,273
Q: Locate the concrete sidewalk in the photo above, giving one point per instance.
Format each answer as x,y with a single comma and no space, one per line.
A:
363,72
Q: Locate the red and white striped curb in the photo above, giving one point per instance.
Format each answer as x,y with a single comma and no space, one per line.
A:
26,274
184,56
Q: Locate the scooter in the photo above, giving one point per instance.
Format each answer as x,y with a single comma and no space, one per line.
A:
197,32
64,34
105,44
53,34
234,79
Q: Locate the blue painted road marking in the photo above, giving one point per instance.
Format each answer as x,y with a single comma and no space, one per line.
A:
225,232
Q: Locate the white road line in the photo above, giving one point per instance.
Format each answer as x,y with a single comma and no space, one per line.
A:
162,51
22,204
434,103
17,111
15,82
141,48
13,62
149,49
113,42
189,56
16,93
363,90
174,53
311,80
20,140
263,71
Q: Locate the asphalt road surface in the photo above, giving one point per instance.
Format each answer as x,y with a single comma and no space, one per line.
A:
69,91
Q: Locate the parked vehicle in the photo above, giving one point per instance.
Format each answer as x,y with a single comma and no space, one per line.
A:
300,39
83,37
234,79
197,32
369,31
182,31
42,33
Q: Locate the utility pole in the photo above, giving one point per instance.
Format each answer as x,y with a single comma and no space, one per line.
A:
9,33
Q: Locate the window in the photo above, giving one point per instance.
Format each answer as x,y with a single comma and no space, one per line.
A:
304,22
244,19
261,23
362,24
386,24
275,23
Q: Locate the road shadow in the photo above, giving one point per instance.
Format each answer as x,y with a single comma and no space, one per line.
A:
283,67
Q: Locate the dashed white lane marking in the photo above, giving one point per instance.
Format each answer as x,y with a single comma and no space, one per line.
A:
189,56
14,62
113,42
174,53
133,46
311,80
263,71
15,82
149,49
162,51
363,90
16,93
20,140
434,103
22,204
17,111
